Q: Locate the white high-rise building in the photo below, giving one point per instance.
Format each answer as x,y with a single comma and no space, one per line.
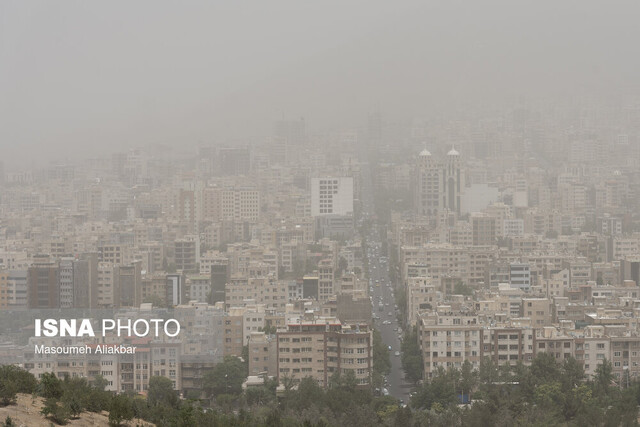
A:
428,185
332,196
438,185
454,181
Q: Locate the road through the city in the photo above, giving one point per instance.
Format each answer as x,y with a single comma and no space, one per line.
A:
381,290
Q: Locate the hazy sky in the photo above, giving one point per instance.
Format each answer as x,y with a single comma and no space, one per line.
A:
78,77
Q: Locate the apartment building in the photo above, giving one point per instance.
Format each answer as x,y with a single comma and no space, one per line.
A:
591,351
233,331
448,339
186,253
484,229
321,347
115,254
332,196
42,284
439,260
260,290
262,354
105,284
538,310
421,295
508,345
4,289
554,342
325,280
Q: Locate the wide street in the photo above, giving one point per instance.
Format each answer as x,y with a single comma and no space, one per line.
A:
384,310
385,316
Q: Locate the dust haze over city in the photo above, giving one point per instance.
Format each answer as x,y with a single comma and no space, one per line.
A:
319,213
76,78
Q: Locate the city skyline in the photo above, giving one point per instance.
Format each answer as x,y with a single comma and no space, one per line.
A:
339,213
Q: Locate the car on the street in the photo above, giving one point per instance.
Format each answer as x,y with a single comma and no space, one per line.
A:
397,353
390,348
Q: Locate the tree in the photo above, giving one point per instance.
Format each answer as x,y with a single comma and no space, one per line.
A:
440,391
468,378
8,392
545,369
461,289
97,400
347,381
308,393
576,401
76,392
603,378
343,264
75,405
50,386
573,373
381,360
549,396
187,416
120,410
412,355
100,382
401,302
259,396
55,411
161,392
8,422
15,380
226,377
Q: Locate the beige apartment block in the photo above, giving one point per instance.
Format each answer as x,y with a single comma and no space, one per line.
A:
421,295
319,348
233,333
538,310
448,339
262,354
554,342
508,345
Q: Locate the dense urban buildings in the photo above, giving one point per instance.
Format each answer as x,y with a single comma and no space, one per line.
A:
478,250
